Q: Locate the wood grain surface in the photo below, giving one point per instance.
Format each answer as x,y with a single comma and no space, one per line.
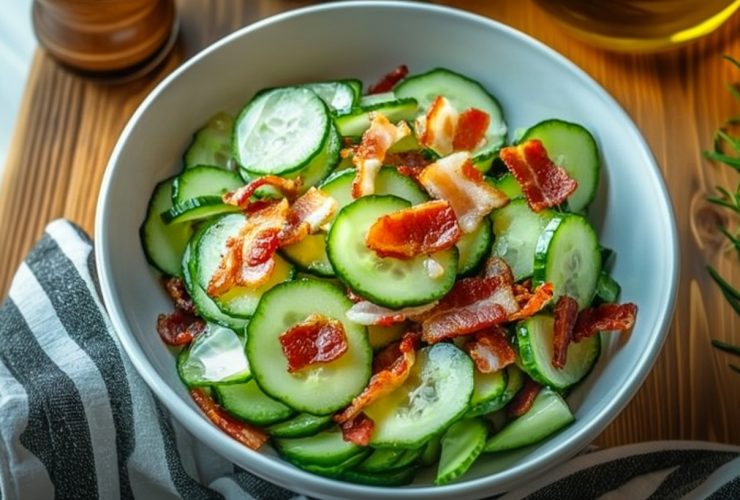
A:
67,128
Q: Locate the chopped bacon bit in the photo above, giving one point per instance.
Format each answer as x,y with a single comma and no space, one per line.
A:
263,247
366,313
179,327
436,129
523,292
490,351
522,402
388,81
421,229
178,293
240,197
408,163
359,430
317,339
496,267
535,302
566,312
471,129
543,183
386,380
455,179
370,154
384,359
307,214
247,434
606,317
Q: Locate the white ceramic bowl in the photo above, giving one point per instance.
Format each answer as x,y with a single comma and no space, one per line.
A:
364,40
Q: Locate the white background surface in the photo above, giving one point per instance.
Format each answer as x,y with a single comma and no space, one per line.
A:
16,48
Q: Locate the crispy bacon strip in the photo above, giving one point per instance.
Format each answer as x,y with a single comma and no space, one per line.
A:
248,260
436,129
543,183
471,129
240,197
473,304
566,312
490,351
422,229
606,317
388,81
315,340
175,288
359,430
369,155
497,267
248,435
408,163
455,179
535,302
522,402
179,327
387,377
307,214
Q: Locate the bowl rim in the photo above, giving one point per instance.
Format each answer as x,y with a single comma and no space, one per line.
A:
278,471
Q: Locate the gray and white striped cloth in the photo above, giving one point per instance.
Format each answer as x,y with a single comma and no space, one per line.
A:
76,420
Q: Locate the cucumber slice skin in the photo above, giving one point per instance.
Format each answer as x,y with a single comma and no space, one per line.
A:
163,244
319,390
380,460
247,402
356,122
327,448
568,255
369,275
607,289
215,356
549,414
335,470
474,247
204,180
507,184
341,96
432,451
289,159
461,445
302,425
534,340
572,147
488,386
514,382
211,145
396,477
194,209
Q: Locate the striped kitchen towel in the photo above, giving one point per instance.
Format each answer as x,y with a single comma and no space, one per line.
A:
76,420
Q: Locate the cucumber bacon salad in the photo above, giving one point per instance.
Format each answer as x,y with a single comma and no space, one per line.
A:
377,283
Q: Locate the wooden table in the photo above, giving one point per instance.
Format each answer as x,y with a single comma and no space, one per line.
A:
68,126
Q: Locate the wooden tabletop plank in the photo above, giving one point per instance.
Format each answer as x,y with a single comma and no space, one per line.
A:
68,126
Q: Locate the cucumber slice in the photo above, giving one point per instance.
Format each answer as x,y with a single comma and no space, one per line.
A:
340,95
239,301
516,229
309,255
280,131
321,389
380,460
323,163
461,445
488,386
370,275
163,243
199,208
549,414
432,451
248,402
211,144
507,184
388,181
607,289
381,336
338,469
326,448
435,394
216,356
302,425
568,256
409,457
473,248
396,477
534,339
204,180
356,122
463,93
514,382
572,147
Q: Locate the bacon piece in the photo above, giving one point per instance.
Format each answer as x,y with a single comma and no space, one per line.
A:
388,81
473,304
523,292
543,183
240,197
247,434
307,214
317,339
369,155
421,229
436,129
408,163
496,267
366,313
179,327
175,288
606,317
455,179
471,129
249,257
566,312
535,302
490,351
386,379
522,402
359,430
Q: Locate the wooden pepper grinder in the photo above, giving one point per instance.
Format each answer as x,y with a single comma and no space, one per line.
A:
106,38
